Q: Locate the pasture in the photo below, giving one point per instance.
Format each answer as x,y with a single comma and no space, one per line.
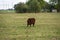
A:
14,26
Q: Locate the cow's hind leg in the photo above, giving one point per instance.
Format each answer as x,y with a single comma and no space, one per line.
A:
33,24
30,25
27,25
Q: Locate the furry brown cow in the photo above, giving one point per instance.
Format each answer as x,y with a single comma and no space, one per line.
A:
31,21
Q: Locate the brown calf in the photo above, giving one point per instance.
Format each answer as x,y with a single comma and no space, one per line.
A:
31,21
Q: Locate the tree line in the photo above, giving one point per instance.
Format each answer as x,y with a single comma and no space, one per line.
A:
36,6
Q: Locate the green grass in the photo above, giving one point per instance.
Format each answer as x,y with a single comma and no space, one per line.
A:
13,27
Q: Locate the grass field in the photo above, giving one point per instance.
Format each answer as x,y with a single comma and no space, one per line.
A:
13,27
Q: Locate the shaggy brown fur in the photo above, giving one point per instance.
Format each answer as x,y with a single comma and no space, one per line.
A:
31,21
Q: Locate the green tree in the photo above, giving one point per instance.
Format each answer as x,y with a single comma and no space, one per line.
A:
47,7
42,3
57,4
30,6
35,5
21,8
